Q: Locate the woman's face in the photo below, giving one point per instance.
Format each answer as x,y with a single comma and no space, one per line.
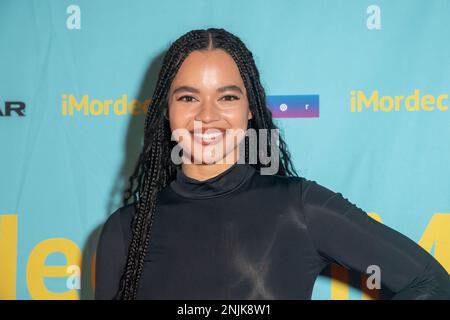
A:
208,107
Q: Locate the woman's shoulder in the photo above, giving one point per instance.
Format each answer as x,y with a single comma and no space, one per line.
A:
309,190
122,214
272,180
117,225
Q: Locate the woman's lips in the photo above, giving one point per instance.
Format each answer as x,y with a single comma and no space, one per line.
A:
209,136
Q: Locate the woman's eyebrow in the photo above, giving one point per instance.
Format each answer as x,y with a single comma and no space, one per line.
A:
230,88
195,90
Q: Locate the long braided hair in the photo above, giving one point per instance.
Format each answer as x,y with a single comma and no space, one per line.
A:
154,169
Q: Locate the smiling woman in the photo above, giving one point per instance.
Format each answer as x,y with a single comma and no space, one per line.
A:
208,88
220,229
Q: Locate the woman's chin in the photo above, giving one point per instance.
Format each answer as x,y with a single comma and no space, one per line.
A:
211,156
209,159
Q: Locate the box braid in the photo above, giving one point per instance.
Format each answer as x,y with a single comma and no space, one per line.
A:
154,169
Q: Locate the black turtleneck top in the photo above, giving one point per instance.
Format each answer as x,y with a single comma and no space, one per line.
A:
244,235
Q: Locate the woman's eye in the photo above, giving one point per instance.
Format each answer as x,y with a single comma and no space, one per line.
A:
234,97
188,97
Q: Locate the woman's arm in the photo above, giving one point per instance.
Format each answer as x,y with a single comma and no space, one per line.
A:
110,258
344,234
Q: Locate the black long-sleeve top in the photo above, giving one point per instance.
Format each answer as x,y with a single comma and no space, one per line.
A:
244,235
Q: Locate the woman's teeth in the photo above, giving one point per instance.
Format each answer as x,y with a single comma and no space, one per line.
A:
208,137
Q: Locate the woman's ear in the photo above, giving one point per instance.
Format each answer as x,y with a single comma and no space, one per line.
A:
250,115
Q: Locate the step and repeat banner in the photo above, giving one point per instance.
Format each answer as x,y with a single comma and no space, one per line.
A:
360,90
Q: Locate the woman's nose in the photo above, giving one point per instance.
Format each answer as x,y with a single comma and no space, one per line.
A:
208,112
